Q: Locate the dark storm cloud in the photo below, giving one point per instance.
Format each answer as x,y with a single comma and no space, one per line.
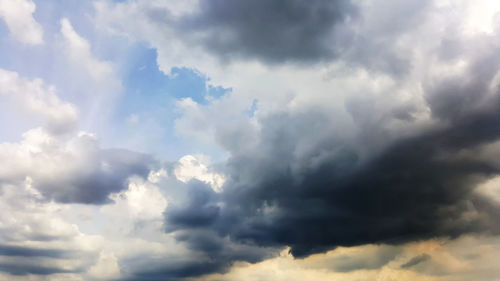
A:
411,191
273,31
304,187
93,184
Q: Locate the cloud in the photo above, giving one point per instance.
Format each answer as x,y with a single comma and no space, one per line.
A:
305,185
196,167
19,251
140,201
458,260
327,197
76,170
373,146
79,52
36,239
106,268
15,269
357,134
271,31
370,260
36,98
62,164
18,14
416,260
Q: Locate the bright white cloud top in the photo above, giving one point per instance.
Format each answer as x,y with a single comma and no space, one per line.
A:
249,140
18,15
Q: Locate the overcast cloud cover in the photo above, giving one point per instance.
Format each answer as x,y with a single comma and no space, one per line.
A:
250,140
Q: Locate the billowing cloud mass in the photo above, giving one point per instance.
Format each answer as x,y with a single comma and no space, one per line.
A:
250,140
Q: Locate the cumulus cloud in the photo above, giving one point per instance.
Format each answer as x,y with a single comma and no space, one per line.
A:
18,15
76,170
34,97
141,201
196,167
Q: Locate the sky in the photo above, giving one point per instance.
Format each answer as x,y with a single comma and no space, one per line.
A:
233,140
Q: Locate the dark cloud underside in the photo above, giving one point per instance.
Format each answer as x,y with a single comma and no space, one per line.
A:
93,186
272,31
21,270
18,251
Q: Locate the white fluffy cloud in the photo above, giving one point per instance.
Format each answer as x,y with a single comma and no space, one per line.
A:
34,97
141,201
18,15
197,167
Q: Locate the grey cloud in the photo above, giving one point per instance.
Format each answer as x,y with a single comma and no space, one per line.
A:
273,31
360,34
20,270
300,32
213,254
406,193
191,220
416,260
199,211
465,93
32,259
20,251
371,41
75,171
96,180
36,240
